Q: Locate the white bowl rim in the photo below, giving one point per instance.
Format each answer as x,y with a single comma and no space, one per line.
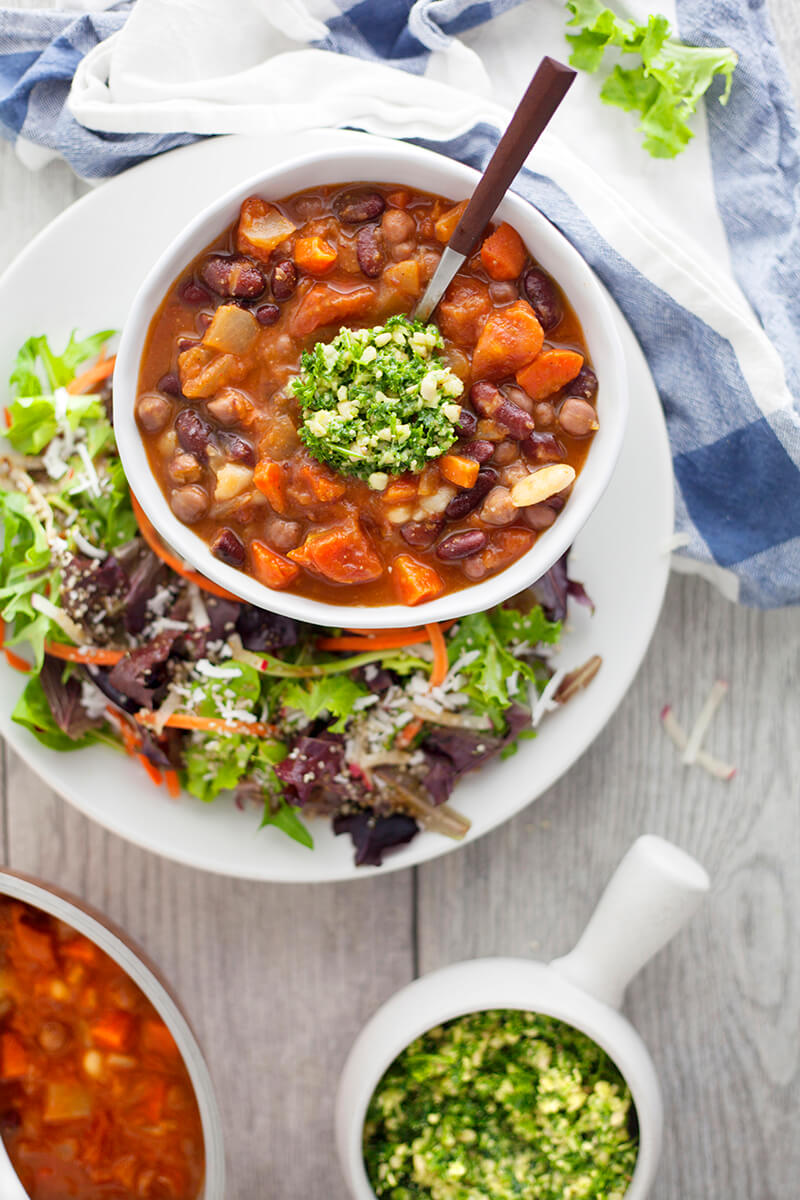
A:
50,899
380,159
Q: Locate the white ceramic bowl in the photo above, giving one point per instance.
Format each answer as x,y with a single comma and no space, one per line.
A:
388,162
115,942
655,889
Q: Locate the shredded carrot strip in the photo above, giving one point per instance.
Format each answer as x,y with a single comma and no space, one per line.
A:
208,724
18,663
156,545
152,771
173,783
407,734
440,661
7,416
87,379
130,739
418,630
379,639
84,654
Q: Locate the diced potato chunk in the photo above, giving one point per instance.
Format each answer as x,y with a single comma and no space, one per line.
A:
262,227
67,1101
232,479
232,331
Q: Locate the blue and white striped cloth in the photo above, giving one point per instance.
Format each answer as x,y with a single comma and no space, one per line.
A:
701,253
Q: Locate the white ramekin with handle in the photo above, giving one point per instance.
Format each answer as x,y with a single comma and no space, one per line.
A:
653,892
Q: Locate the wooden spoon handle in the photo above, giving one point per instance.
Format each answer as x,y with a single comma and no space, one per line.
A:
545,92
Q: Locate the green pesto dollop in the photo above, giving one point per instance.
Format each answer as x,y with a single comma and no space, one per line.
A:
501,1104
378,402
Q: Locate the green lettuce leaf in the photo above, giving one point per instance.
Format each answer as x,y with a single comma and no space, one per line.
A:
38,370
33,712
25,569
334,694
667,85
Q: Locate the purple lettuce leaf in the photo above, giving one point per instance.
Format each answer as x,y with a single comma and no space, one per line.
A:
64,699
142,674
453,753
265,632
316,765
143,582
555,586
373,835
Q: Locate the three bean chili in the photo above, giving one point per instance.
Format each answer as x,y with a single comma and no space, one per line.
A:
95,1100
222,370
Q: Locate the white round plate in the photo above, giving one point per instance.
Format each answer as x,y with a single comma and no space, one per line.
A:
81,273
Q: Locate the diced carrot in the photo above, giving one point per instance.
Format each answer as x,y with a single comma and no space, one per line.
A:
549,372
415,582
80,949
399,198
404,276
68,1101
270,479
511,337
157,1039
343,554
261,228
441,663
459,470
503,253
35,944
445,227
321,482
271,568
400,491
321,305
114,1030
464,308
314,255
14,1057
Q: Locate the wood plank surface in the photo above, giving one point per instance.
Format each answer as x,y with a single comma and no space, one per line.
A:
277,980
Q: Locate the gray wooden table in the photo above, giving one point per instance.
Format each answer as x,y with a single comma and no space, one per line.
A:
278,979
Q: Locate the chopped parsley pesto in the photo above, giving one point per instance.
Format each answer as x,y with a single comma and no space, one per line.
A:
378,402
501,1104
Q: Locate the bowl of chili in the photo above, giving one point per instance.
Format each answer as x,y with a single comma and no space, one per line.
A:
294,435
104,1092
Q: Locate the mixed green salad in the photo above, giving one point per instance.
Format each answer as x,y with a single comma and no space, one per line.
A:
123,645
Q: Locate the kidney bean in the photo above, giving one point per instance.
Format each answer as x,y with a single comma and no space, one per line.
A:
461,545
228,547
371,252
237,449
358,205
189,503
422,533
544,414
284,279
543,448
520,397
577,417
480,450
153,411
467,423
518,423
584,385
539,516
497,508
192,293
485,397
398,226
470,498
233,275
283,535
193,432
543,297
170,384
267,314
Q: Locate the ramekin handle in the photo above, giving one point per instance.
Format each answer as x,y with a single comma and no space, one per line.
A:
653,892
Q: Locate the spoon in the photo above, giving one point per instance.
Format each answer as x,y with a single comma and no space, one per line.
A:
545,92
10,1186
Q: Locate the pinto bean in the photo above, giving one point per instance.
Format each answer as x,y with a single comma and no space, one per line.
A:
474,568
401,251
543,448
189,503
193,432
422,533
503,292
577,417
519,396
371,252
153,411
283,535
358,205
467,423
267,314
233,275
470,498
543,297
539,516
480,450
584,385
237,449
284,279
461,545
497,508
544,414
398,226
184,468
505,453
228,547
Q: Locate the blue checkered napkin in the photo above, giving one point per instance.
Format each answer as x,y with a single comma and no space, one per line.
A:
735,442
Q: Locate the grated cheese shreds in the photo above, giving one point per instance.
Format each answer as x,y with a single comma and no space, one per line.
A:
676,732
59,617
704,719
90,550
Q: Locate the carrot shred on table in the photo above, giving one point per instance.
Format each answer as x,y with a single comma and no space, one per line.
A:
206,724
152,770
87,379
173,783
97,655
156,545
441,664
